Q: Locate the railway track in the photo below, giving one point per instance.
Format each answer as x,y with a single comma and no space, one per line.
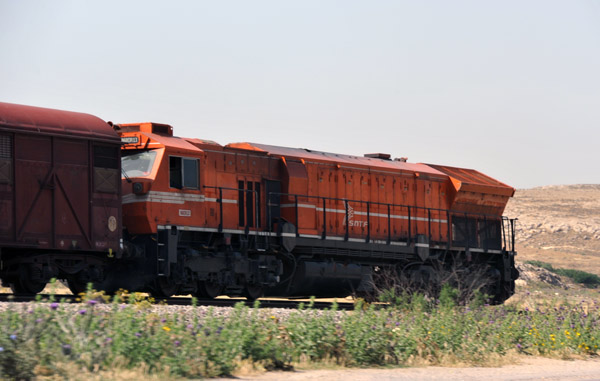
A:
187,301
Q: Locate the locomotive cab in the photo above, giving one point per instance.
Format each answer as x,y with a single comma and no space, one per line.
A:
159,170
171,215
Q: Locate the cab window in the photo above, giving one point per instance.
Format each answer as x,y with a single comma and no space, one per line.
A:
183,172
138,163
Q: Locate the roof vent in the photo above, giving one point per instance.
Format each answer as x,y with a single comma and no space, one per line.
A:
402,159
155,128
162,129
384,156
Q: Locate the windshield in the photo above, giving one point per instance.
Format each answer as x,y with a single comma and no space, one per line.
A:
137,163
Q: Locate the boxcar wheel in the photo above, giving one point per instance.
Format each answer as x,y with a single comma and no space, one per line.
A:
26,286
208,290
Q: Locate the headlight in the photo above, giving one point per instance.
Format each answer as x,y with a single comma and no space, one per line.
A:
138,188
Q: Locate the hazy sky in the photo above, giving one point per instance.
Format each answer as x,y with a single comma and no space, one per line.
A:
510,88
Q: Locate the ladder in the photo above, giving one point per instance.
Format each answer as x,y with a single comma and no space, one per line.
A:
162,254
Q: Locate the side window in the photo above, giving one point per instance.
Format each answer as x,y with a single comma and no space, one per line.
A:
258,207
249,203
175,172
6,155
190,173
183,172
106,169
241,208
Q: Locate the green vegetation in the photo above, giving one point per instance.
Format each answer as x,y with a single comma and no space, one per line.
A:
52,338
587,279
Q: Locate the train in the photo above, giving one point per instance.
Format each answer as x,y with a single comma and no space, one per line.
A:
133,206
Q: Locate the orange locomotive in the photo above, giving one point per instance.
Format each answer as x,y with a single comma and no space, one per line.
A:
252,219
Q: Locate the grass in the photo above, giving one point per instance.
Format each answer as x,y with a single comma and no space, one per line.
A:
587,279
87,340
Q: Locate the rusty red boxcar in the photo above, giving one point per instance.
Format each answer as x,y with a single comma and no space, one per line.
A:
60,197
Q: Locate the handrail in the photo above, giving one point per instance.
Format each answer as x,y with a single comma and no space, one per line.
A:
220,201
507,227
411,211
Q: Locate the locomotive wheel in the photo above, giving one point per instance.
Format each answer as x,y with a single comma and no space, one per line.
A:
164,288
76,286
209,290
253,291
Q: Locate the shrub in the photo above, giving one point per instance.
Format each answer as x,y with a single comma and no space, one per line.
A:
544,265
578,276
44,338
448,296
315,336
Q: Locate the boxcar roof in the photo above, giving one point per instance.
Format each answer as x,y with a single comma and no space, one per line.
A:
51,121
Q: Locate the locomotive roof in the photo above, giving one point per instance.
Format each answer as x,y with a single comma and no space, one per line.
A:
306,154
172,142
467,180
51,121
462,178
474,181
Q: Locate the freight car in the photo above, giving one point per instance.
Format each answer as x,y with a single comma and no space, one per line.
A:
60,197
253,219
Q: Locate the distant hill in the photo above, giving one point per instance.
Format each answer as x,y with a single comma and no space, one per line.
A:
558,224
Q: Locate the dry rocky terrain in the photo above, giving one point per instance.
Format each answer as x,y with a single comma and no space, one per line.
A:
559,225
